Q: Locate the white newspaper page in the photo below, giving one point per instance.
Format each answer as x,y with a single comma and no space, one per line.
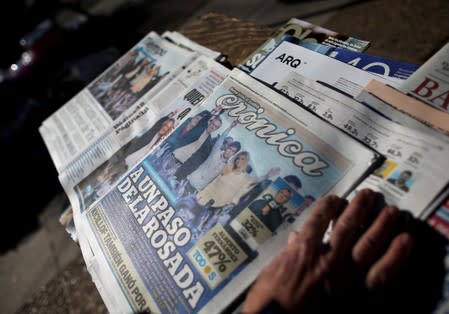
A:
415,170
185,42
82,193
172,91
304,32
430,83
190,226
145,113
114,95
288,57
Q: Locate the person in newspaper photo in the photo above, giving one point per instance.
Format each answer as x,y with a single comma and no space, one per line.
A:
308,200
369,264
101,180
140,146
215,162
402,180
126,157
227,188
270,209
126,81
192,143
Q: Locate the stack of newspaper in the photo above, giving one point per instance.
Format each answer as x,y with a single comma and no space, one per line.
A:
185,177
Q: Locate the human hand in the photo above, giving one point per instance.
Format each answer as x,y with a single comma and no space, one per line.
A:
309,275
274,172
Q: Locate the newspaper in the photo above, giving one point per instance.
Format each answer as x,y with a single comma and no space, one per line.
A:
288,57
411,177
430,83
375,64
415,108
175,236
302,31
145,113
439,214
186,43
378,101
166,116
385,100
107,102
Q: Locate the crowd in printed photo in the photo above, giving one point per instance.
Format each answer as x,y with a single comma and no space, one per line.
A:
126,81
211,177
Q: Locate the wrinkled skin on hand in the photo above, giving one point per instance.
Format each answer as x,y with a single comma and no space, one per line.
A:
363,254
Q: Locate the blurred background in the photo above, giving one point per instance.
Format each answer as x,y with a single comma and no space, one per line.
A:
52,49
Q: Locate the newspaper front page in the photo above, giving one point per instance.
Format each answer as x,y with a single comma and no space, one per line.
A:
375,64
166,117
107,102
430,83
305,32
420,111
191,225
288,57
145,113
412,175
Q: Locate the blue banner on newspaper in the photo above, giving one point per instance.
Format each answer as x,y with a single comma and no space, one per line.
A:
375,64
198,209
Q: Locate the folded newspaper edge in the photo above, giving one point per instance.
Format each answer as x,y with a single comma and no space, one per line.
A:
415,108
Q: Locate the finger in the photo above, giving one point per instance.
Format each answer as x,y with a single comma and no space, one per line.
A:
326,210
347,229
385,269
274,282
308,242
373,241
292,237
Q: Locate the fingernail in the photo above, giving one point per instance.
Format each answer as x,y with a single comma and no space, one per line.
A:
292,237
392,211
375,281
406,242
290,259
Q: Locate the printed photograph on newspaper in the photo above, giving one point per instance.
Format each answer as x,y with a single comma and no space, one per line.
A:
189,227
111,98
166,119
136,73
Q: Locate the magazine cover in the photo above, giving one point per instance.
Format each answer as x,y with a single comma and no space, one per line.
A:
189,227
302,31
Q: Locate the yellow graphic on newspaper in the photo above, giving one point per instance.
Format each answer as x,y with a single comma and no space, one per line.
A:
387,167
216,255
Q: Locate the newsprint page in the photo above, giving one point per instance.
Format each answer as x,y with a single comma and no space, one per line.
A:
110,101
186,230
166,115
